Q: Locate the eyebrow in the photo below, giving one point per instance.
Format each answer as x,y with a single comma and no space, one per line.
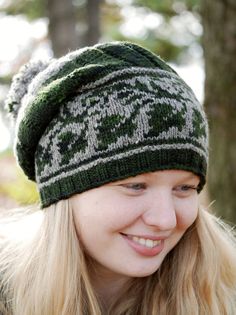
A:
191,176
182,177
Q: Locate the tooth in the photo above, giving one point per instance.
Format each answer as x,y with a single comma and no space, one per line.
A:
149,243
142,241
145,242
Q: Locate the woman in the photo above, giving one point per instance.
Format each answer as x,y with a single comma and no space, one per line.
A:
118,146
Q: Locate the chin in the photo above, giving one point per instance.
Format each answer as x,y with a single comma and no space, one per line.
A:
144,271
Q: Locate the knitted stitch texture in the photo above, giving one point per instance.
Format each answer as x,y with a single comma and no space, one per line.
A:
105,113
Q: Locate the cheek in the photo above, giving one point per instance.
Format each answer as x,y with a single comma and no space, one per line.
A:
187,213
110,216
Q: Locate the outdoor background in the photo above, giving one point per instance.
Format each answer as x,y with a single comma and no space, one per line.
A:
197,38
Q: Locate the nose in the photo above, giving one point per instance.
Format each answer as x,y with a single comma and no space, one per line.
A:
160,211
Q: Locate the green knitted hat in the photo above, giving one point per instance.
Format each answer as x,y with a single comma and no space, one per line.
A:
104,113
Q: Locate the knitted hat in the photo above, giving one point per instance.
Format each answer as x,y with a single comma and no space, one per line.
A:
101,114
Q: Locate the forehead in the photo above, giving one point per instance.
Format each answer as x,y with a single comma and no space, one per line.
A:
164,175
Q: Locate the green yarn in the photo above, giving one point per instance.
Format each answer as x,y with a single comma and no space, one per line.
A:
104,113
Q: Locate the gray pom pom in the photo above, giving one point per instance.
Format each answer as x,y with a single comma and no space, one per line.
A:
20,84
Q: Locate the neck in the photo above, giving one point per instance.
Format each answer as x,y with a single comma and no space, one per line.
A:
107,285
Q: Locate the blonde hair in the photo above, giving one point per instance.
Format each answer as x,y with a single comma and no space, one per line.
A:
49,274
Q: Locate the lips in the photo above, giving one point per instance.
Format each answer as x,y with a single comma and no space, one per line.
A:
144,245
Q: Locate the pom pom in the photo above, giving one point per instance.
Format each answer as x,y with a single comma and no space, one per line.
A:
20,84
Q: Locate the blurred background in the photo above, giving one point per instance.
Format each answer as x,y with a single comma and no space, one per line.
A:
196,37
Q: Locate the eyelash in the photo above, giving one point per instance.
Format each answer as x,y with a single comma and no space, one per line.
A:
182,188
187,187
132,186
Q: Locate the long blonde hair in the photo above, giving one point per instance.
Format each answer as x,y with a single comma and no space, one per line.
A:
49,274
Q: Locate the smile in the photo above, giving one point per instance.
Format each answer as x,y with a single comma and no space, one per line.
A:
145,246
145,242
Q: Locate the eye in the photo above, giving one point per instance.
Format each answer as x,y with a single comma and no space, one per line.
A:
185,190
135,186
187,187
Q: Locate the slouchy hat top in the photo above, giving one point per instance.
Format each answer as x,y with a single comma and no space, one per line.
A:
104,113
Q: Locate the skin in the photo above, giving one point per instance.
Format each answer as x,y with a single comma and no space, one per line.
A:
161,204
